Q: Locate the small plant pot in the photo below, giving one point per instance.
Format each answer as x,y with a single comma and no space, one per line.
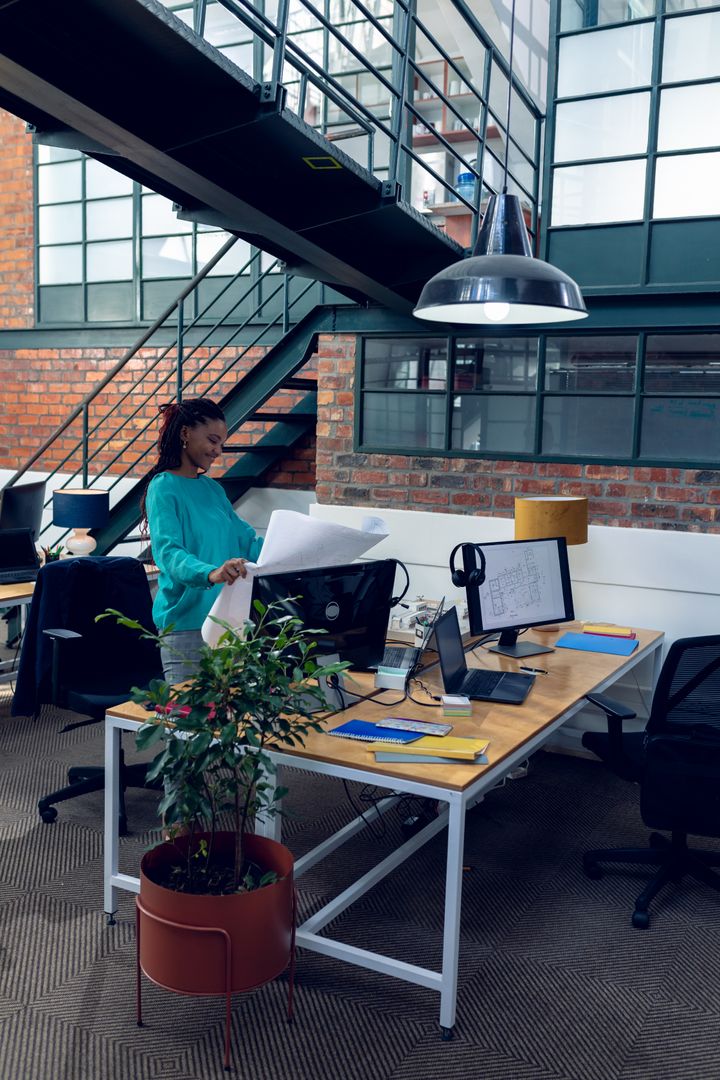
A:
199,944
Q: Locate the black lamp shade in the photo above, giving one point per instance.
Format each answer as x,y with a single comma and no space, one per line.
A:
80,508
501,282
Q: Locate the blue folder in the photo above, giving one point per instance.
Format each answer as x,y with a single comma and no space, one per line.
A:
597,643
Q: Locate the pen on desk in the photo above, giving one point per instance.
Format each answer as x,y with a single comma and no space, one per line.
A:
534,670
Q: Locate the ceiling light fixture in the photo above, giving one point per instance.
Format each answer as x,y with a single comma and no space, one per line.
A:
501,282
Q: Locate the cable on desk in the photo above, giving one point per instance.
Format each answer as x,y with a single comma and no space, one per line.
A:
372,698
434,704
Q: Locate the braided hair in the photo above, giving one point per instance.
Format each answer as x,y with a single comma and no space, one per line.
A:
173,418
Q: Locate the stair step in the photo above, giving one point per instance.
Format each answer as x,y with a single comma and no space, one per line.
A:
300,384
257,448
282,417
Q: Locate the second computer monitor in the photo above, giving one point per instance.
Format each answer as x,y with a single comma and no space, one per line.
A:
527,583
350,603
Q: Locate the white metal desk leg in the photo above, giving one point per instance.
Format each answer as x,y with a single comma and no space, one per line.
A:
271,826
453,902
112,810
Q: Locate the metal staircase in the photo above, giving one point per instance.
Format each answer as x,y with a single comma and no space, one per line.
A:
107,441
131,84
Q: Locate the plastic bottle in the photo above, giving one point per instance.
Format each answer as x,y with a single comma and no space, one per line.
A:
466,186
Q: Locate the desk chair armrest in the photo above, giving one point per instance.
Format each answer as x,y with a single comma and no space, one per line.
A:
615,712
610,707
57,637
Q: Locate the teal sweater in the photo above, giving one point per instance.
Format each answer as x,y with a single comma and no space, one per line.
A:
193,530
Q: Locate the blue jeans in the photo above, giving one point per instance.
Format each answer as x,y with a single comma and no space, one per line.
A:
180,655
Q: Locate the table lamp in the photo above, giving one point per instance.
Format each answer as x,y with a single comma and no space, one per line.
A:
540,516
80,509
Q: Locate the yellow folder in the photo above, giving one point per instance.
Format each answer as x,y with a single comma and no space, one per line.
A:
440,746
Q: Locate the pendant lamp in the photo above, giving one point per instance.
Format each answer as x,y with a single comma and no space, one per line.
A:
501,282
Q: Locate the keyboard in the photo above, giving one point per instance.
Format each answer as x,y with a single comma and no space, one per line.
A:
481,682
397,656
17,577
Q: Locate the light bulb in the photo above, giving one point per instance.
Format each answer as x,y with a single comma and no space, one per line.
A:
496,312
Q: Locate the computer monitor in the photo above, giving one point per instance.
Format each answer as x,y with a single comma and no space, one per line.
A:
351,603
21,507
527,583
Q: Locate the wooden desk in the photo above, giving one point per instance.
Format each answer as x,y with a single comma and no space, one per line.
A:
15,595
515,734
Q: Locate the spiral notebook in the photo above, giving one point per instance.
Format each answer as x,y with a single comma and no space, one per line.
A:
369,732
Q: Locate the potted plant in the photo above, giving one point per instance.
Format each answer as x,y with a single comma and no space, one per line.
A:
215,914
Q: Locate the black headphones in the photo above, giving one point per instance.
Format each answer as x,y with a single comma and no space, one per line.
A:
396,599
462,578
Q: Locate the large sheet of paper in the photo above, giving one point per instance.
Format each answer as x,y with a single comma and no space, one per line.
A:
293,542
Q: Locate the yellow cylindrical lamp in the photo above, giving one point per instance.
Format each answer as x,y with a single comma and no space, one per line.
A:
540,516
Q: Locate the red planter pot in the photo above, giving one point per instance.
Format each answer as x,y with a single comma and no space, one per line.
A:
216,944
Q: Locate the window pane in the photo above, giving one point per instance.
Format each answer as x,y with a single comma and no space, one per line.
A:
55,153
101,181
209,243
222,27
406,421
60,266
168,256
584,194
110,262
109,219
590,363
680,429
499,423
689,117
60,183
607,60
591,426
504,364
270,263
576,14
691,48
602,127
242,55
406,364
59,224
159,218
688,5
683,365
687,186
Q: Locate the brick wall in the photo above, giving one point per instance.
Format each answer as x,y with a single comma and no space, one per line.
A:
40,387
677,499
16,217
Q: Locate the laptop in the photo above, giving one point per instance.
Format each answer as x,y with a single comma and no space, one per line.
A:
506,687
407,657
19,561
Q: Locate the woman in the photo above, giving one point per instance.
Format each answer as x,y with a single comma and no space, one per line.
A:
198,541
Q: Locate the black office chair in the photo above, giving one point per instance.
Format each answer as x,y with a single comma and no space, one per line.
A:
71,661
21,507
676,761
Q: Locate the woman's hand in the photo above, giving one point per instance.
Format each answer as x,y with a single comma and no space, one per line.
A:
228,573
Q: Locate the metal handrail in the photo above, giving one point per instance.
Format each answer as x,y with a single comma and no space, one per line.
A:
393,77
148,385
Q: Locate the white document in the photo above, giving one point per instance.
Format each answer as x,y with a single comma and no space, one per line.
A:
293,542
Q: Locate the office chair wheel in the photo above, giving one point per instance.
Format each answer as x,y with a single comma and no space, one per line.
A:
48,815
592,870
640,920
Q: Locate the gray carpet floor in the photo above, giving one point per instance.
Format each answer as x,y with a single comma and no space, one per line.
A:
555,984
